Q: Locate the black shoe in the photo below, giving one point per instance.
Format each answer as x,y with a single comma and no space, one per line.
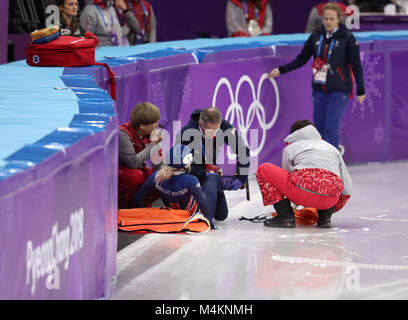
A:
324,217
326,223
285,217
279,222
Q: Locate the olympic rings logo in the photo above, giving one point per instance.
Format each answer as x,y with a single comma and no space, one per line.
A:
235,110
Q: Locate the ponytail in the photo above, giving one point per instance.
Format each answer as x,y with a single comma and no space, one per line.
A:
166,172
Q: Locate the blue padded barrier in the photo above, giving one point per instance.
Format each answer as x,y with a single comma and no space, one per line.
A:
87,106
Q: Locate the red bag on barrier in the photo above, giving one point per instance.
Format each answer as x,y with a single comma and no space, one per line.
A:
66,51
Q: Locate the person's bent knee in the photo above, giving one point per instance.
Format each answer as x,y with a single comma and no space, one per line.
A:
268,172
264,168
221,216
133,176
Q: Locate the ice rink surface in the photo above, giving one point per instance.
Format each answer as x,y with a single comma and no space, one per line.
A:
363,256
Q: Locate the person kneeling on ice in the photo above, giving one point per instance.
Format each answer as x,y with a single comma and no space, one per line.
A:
138,142
313,174
177,188
206,133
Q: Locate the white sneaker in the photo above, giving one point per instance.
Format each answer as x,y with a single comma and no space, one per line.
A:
341,149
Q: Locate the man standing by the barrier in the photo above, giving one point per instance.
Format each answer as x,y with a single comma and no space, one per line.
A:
205,134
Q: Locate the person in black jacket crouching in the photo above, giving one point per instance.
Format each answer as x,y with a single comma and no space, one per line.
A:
336,59
205,134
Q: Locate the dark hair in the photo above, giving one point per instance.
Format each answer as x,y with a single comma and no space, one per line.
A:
75,20
210,115
299,124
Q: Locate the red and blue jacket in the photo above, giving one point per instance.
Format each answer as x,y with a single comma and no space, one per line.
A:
181,191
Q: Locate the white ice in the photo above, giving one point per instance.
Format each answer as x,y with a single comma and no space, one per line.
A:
363,256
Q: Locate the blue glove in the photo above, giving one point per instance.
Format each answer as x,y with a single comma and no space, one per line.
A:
231,182
242,178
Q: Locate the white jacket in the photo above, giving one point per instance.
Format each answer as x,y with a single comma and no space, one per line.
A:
306,149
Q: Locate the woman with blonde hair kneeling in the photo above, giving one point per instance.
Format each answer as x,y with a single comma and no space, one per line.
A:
177,188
